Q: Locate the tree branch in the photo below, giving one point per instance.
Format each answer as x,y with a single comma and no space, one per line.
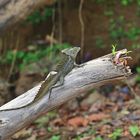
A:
94,73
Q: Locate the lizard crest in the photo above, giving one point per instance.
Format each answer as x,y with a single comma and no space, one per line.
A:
71,52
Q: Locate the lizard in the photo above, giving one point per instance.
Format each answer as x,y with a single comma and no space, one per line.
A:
62,69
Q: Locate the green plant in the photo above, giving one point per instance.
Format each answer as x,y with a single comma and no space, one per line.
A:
134,130
42,121
116,28
55,137
138,70
90,131
114,49
138,2
126,2
135,46
99,42
39,16
138,76
116,134
23,58
108,13
98,138
99,1
133,33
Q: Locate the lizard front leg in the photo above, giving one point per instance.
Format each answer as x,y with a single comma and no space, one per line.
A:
61,80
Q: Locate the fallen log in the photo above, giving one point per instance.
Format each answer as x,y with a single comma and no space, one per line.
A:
94,73
13,11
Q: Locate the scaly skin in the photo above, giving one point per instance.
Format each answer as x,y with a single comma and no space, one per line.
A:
63,68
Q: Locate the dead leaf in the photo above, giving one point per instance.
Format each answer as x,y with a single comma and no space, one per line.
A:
105,129
98,117
42,132
126,133
23,133
33,137
58,122
78,121
86,138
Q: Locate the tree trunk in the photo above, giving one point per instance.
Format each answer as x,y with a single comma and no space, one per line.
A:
94,73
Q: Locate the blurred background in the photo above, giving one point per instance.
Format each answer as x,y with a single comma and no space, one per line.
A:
29,50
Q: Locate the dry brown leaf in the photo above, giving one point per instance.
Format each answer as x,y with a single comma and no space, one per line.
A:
42,132
78,121
86,138
23,133
98,117
58,122
105,129
126,133
33,137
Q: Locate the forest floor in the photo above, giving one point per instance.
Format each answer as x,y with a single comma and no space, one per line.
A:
107,113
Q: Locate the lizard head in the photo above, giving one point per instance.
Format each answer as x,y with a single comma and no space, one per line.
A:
71,51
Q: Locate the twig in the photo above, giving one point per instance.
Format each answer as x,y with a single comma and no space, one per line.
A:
82,29
60,21
14,60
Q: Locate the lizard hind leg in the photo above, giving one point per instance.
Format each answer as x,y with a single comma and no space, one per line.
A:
61,82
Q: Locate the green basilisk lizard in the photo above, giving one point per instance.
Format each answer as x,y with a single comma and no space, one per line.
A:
63,68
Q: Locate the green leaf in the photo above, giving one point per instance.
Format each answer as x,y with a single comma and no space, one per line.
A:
134,130
108,13
138,79
55,137
49,129
116,134
114,49
99,42
138,69
42,121
48,12
125,2
35,17
138,2
98,138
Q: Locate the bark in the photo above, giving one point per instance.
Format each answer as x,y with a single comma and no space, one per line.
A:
13,11
94,73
